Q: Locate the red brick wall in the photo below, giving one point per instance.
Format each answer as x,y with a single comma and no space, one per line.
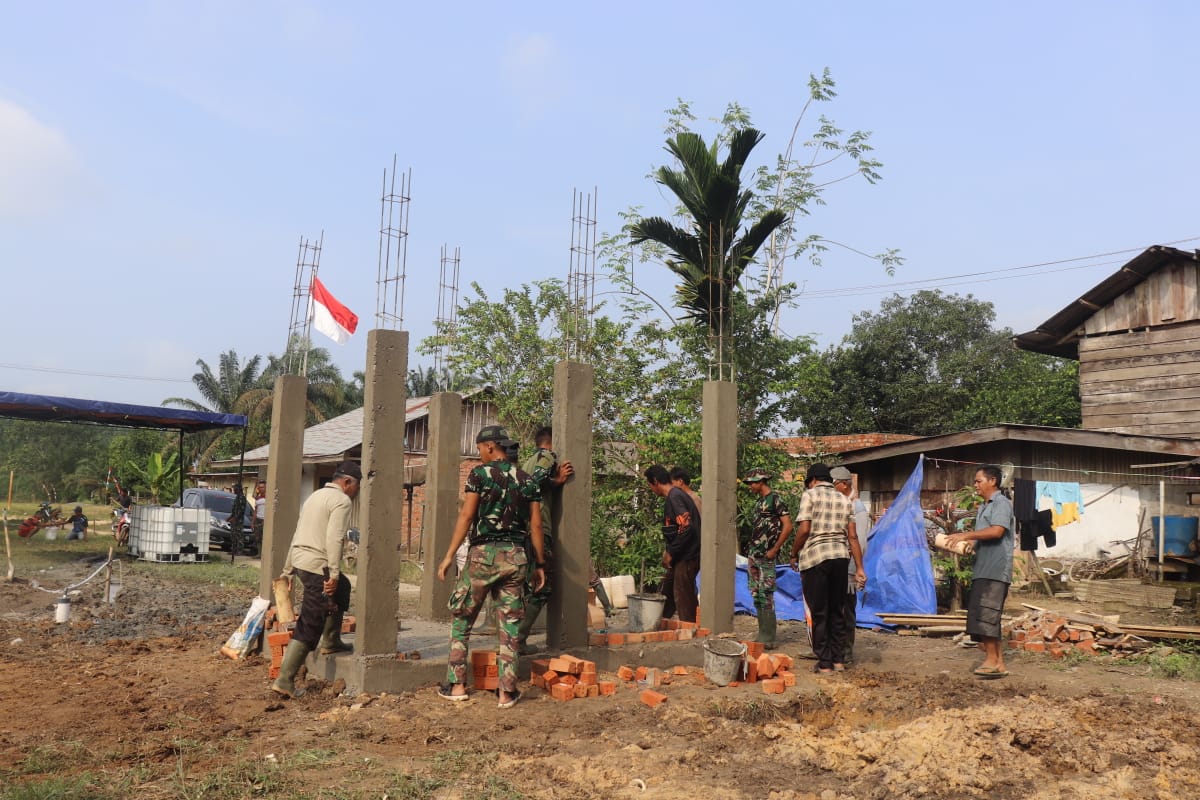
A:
413,526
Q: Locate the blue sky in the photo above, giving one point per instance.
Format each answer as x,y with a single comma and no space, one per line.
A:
159,161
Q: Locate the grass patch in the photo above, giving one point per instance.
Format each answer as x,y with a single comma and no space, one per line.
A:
756,712
413,787
78,788
1170,663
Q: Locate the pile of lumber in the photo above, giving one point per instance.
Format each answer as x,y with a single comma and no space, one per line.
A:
1130,592
927,624
1057,633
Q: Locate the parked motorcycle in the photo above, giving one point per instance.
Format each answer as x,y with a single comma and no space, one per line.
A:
120,525
44,517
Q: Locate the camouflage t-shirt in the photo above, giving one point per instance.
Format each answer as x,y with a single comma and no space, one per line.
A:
542,467
505,493
769,512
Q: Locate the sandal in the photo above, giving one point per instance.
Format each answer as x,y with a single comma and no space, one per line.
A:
839,667
990,672
445,691
512,701
822,670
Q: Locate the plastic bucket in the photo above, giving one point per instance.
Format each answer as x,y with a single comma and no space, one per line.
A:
723,660
645,610
62,610
51,534
1181,535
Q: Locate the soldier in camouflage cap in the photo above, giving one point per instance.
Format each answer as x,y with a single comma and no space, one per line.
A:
500,510
772,527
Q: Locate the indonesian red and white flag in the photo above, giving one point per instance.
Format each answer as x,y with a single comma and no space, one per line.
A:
328,315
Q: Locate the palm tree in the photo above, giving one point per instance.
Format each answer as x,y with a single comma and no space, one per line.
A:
223,390
708,257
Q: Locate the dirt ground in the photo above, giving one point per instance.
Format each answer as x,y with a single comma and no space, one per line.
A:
133,700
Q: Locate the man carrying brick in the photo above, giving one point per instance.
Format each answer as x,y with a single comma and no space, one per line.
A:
772,527
993,538
501,509
681,537
825,542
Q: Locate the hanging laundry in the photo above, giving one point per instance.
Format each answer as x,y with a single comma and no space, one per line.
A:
1066,500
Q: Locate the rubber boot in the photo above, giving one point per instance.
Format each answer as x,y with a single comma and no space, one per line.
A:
532,610
766,627
293,659
331,637
602,596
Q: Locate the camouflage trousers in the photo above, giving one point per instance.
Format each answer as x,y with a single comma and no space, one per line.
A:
498,570
760,574
535,600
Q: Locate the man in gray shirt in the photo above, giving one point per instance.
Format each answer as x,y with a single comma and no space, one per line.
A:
993,538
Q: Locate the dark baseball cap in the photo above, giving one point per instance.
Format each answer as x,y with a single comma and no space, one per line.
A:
492,433
350,469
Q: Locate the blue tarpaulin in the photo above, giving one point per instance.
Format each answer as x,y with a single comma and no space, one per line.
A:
789,597
899,569
45,408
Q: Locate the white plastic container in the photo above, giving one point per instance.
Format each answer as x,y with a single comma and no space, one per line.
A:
622,587
166,533
62,610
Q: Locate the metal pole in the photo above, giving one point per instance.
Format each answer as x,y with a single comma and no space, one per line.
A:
180,463
1162,523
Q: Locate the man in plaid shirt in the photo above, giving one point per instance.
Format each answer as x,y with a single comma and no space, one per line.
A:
825,542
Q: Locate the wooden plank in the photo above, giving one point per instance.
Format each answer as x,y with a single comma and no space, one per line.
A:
1134,593
1163,633
1179,364
1099,387
1126,338
1162,356
1186,393
1189,429
1146,420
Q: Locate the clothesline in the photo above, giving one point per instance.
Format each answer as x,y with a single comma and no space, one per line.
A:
937,464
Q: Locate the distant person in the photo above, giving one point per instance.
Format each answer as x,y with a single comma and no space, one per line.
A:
825,541
500,510
260,513
681,528
680,479
315,557
236,520
79,525
123,498
993,538
843,481
772,527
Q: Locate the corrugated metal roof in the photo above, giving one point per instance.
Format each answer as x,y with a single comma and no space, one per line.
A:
1057,336
1068,437
334,437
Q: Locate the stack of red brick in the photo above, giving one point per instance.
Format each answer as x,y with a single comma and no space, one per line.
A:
773,671
1057,634
669,630
278,638
568,678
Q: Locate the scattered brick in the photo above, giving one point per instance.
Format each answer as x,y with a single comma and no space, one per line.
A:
751,671
616,639
592,691
766,667
679,670
652,698
773,686
702,632
640,674
550,678
625,673
607,688
754,649
560,691
788,678
580,690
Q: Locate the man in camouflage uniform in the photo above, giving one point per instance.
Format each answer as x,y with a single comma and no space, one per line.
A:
501,509
549,474
772,527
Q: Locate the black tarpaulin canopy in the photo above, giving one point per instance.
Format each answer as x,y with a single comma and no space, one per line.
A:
44,408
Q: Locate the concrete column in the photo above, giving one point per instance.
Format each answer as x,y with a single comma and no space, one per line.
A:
566,620
441,500
718,468
381,499
284,464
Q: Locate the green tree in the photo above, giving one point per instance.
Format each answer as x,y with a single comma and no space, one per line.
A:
222,389
710,255
426,381
932,363
62,460
158,476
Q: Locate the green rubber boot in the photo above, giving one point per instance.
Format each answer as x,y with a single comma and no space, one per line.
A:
602,596
331,637
293,659
766,627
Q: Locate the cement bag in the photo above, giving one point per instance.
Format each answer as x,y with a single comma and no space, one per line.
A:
239,644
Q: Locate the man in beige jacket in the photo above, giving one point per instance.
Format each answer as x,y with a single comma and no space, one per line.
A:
315,557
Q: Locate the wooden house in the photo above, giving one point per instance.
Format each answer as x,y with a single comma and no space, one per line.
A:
1136,336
